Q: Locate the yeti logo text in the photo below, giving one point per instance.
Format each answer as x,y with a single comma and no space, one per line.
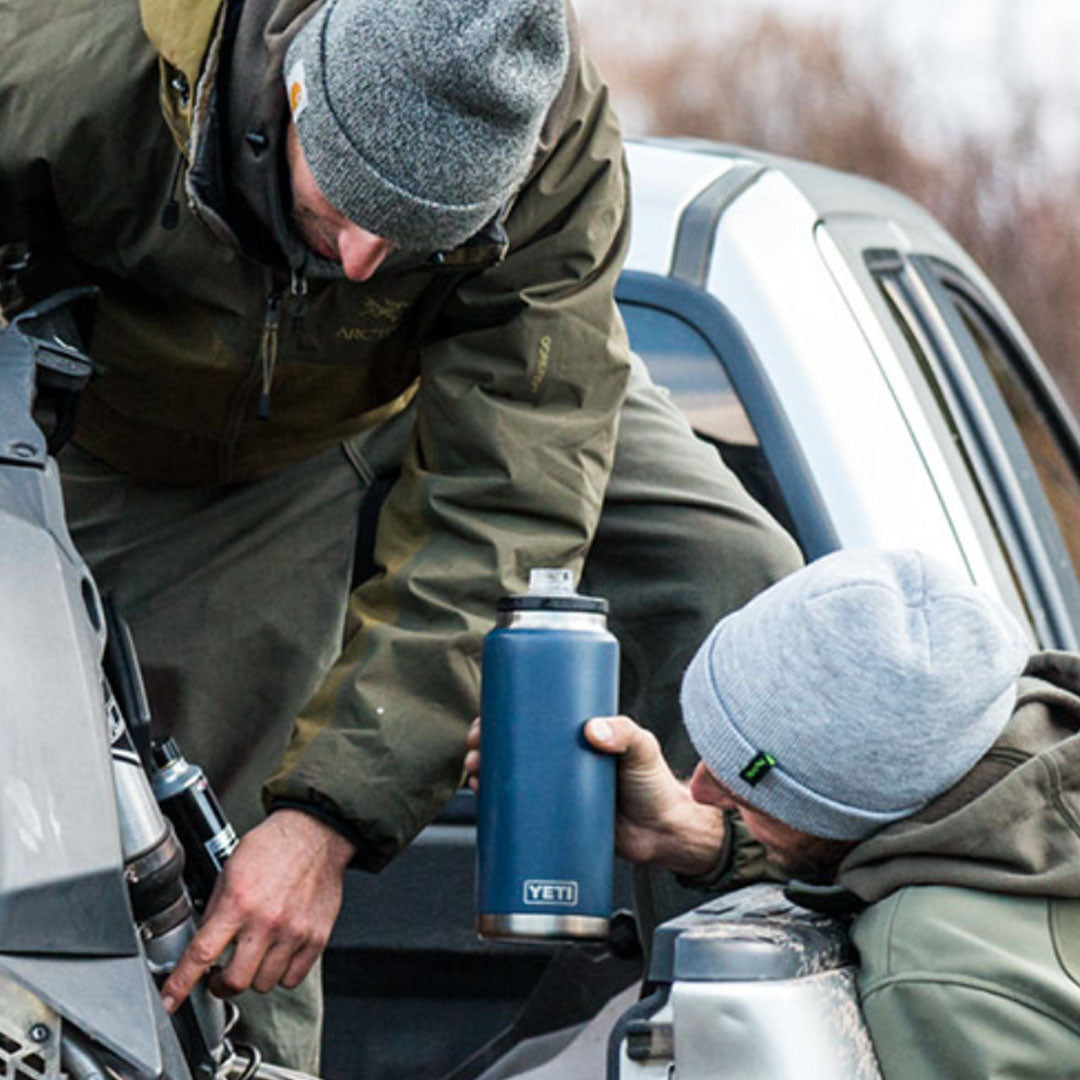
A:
563,893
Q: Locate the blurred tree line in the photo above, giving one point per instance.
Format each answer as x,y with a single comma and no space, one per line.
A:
806,90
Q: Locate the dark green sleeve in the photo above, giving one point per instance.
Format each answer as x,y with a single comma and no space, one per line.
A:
75,145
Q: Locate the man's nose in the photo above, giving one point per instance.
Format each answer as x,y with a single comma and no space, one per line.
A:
705,789
361,252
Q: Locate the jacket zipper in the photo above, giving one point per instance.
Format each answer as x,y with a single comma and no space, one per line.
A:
298,289
259,374
170,212
268,350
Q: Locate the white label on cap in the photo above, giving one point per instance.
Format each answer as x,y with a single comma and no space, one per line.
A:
297,89
546,581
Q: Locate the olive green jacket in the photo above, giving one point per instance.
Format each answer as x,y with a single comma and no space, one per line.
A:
146,159
970,947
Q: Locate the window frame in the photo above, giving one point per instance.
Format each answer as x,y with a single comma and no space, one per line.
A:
712,321
1026,527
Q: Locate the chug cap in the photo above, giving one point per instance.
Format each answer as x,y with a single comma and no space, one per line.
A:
552,590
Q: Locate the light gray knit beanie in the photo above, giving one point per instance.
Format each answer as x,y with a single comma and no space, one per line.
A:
854,691
419,119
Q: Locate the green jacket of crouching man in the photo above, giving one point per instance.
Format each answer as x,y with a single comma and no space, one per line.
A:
970,946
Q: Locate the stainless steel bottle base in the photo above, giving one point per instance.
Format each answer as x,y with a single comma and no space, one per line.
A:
541,927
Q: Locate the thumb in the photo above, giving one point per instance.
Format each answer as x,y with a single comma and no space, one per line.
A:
611,734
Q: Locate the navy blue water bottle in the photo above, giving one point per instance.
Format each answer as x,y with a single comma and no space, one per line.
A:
546,807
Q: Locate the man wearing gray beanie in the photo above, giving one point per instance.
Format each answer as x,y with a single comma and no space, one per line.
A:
876,722
362,369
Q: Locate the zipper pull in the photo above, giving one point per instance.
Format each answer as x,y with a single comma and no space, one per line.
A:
170,212
298,288
268,351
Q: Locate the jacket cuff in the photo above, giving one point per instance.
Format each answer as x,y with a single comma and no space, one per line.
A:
327,817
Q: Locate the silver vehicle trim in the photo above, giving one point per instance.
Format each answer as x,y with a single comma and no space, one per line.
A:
696,232
968,546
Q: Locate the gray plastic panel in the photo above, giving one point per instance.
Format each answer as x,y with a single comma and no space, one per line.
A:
61,882
781,947
113,1000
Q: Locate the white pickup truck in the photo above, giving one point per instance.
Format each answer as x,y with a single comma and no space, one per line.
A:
869,385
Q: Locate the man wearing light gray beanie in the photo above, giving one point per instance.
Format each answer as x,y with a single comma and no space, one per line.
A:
878,726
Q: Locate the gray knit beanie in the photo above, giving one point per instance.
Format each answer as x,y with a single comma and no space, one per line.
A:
418,120
854,691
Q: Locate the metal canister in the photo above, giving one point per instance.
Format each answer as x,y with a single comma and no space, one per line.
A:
546,808
190,804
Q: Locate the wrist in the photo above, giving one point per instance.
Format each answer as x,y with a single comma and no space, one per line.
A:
712,878
322,813
317,835
693,840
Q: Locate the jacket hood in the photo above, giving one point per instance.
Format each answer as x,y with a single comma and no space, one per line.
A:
1012,824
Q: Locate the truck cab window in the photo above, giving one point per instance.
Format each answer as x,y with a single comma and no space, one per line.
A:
1057,473
683,360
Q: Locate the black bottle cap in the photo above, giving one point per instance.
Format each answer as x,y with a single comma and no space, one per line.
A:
165,752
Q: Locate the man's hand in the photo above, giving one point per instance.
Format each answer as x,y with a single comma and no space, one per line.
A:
658,820
275,901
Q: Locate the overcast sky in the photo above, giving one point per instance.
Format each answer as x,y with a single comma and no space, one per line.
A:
967,58
972,56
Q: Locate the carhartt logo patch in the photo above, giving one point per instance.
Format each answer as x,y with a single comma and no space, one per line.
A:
297,89
757,767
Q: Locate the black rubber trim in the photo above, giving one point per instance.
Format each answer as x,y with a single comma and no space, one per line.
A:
644,1009
591,604
814,528
1033,372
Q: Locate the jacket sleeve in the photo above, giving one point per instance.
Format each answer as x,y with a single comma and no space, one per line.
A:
75,148
29,132
522,378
